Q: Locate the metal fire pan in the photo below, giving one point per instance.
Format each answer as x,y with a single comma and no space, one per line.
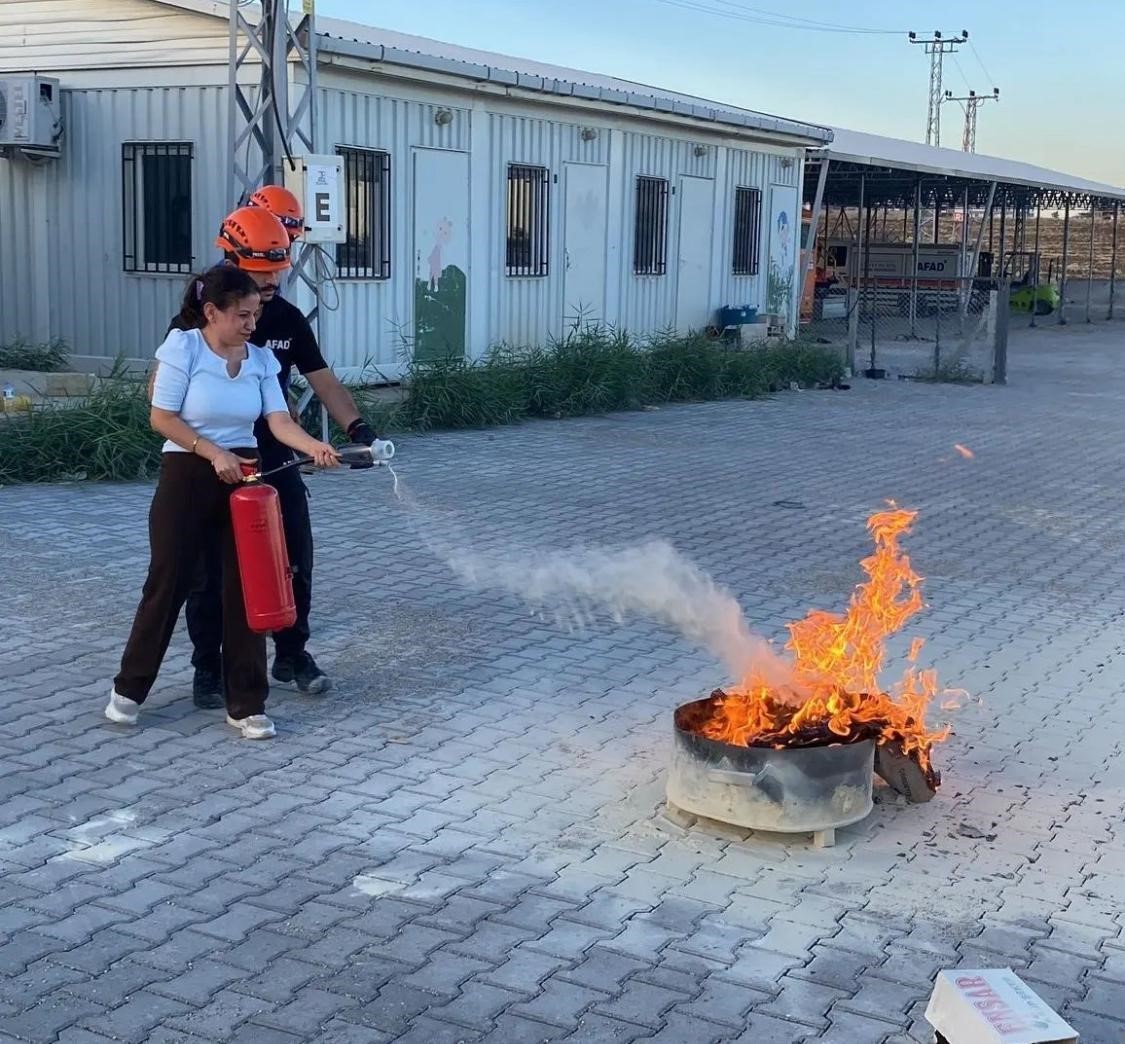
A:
794,790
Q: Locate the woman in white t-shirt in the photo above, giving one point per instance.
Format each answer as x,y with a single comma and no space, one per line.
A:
211,386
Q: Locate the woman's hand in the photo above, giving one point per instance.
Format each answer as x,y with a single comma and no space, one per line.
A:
227,467
324,456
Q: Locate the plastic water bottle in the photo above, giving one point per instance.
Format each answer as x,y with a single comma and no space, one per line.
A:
9,391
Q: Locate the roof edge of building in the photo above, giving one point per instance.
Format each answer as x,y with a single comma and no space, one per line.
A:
624,93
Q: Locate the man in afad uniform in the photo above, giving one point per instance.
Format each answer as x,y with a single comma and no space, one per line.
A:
258,239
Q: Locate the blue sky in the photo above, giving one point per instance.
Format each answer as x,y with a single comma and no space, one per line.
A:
1058,67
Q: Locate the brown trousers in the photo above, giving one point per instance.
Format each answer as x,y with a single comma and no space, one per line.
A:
190,511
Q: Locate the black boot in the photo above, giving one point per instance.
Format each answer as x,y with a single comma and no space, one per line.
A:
302,671
207,690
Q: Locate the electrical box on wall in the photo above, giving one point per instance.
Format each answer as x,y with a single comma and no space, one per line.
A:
30,115
318,182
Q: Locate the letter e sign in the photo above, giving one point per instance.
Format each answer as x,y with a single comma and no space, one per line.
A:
324,199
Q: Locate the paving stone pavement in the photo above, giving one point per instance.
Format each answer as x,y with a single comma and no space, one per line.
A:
466,840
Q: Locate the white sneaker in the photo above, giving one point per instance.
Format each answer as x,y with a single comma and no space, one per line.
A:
121,709
256,726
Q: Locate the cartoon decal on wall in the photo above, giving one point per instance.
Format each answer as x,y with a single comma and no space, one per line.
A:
779,276
442,235
439,301
441,254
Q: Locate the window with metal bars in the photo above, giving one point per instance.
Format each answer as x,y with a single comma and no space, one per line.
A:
529,232
367,190
156,206
650,227
747,229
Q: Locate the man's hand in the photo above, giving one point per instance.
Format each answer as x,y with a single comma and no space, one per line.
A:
359,432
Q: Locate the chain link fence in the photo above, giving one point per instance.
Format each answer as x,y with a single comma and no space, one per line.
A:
1002,272
925,329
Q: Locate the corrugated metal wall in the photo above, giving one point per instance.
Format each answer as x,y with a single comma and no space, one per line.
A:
747,170
85,296
649,302
528,310
61,272
371,325
48,35
24,307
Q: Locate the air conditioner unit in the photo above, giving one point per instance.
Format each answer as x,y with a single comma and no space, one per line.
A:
30,115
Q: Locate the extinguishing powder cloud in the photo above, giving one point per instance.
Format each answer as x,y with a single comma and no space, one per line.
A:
651,579
575,586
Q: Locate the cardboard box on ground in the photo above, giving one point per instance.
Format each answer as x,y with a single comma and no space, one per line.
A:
992,1006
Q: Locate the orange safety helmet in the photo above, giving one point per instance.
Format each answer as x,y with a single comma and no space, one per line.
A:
255,240
283,205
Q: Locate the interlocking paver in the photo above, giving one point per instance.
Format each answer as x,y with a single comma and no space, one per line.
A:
444,973
221,1016
479,805
115,986
394,1008
559,1002
724,1001
427,1030
641,1003
603,969
600,1029
306,1012
802,1001
46,1017
134,1020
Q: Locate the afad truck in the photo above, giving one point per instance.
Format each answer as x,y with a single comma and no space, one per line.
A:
942,275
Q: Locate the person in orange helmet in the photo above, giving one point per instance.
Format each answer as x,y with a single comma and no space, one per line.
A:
258,241
284,206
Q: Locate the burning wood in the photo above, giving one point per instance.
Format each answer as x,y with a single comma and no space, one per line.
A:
834,695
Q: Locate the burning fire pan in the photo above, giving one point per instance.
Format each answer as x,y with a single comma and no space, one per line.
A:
792,790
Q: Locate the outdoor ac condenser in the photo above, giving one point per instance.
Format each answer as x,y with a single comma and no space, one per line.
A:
30,115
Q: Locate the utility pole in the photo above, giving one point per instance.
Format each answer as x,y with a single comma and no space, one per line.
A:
972,101
265,131
937,47
269,131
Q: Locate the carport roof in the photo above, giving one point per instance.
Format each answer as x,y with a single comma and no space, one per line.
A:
897,164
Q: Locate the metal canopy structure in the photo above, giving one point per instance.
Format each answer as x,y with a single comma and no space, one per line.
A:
892,169
868,173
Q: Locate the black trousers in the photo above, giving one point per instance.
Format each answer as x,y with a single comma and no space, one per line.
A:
190,516
205,602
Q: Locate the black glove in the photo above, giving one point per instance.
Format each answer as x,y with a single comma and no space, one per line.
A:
360,433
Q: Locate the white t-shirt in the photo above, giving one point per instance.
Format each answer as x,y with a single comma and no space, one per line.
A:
192,381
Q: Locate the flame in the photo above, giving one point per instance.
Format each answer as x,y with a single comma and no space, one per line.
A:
965,452
834,694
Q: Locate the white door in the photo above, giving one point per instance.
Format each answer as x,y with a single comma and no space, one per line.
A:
694,306
441,253
584,243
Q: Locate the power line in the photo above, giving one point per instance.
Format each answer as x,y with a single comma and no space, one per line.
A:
976,54
760,16
961,72
811,23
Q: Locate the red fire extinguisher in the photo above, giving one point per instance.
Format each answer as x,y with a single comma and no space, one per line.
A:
263,560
